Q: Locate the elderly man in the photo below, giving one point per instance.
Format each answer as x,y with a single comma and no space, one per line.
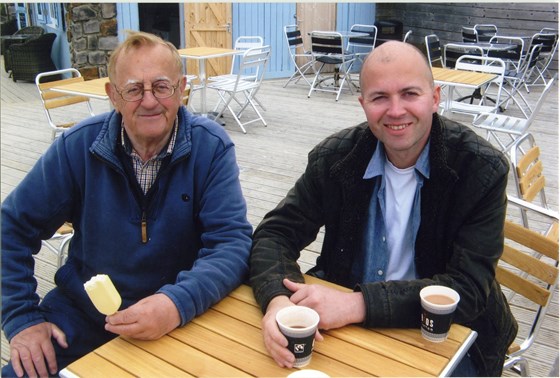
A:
407,199
154,196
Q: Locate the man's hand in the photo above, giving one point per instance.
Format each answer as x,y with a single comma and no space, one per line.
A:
275,342
32,347
149,319
336,308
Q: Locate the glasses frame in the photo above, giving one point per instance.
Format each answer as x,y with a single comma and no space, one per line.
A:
174,88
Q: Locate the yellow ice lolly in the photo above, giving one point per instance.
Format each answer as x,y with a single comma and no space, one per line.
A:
103,294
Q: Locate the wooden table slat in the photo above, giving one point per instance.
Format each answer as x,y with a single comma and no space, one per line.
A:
97,366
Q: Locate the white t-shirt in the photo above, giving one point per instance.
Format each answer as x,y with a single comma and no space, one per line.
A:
400,188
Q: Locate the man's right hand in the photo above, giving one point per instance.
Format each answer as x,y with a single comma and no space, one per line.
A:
275,342
32,351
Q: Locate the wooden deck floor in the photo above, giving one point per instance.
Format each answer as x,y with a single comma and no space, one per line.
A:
271,159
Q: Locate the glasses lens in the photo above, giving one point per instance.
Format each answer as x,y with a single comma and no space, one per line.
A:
133,92
162,89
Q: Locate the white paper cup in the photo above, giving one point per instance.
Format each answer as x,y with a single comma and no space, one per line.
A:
438,305
299,325
308,373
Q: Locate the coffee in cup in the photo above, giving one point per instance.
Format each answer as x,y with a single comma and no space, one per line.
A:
438,305
299,325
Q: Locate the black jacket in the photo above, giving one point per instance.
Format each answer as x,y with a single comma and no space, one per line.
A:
459,242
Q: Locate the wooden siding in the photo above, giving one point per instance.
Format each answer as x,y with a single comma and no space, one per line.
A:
446,19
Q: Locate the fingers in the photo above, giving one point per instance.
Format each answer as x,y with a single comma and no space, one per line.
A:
59,336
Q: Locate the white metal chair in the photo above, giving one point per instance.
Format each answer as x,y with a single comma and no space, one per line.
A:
56,105
549,41
362,46
468,34
253,61
485,32
59,242
530,181
242,43
490,95
297,51
328,48
510,127
528,268
519,77
433,50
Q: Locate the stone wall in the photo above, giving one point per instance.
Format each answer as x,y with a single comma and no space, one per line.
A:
92,36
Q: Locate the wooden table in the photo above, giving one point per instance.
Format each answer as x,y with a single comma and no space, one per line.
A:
226,341
201,54
459,78
90,88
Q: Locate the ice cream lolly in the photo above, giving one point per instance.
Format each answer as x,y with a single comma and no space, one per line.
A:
103,294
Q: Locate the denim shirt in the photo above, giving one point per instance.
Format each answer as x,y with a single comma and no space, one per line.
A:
372,266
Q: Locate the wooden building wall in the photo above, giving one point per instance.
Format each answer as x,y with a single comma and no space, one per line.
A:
446,19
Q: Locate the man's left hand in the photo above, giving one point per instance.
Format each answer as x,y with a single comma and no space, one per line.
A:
149,319
335,308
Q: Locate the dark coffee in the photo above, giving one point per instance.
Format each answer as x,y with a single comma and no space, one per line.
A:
439,299
298,327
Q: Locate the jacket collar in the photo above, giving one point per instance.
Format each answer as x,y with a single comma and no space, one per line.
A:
107,140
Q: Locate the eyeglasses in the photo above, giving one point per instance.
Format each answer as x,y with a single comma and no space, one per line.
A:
135,92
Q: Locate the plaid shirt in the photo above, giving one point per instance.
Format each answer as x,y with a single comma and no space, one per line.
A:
146,172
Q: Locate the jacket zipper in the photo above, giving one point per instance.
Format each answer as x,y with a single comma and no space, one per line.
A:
144,227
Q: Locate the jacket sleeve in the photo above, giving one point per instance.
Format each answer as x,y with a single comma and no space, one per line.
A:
282,234
465,260
225,234
31,212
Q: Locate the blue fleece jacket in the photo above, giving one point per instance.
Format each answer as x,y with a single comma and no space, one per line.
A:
198,234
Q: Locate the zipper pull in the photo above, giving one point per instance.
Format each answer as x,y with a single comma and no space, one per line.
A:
144,228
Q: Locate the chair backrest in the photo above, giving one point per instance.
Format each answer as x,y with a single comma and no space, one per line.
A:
469,34
433,50
528,267
485,32
53,100
512,57
362,45
244,43
326,43
294,39
37,30
547,40
452,52
254,61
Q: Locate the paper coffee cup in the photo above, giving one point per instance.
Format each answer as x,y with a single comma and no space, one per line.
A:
438,305
299,325
308,373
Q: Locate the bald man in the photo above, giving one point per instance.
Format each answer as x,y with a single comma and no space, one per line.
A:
407,199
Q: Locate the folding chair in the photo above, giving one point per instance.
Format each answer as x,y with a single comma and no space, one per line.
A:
528,268
485,32
242,43
452,52
512,127
486,103
469,34
519,77
328,48
512,57
253,60
297,51
549,42
530,182
362,46
60,119
433,50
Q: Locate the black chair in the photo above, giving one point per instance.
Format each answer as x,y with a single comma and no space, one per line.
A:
32,57
20,36
469,34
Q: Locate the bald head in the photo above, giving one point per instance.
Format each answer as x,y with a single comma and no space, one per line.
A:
392,52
